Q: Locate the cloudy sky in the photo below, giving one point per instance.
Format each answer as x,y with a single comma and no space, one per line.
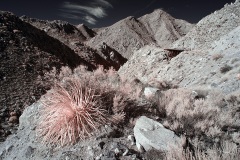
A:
100,13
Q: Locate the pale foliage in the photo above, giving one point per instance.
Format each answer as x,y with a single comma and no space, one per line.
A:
70,112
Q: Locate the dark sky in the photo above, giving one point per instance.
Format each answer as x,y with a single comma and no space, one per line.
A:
100,13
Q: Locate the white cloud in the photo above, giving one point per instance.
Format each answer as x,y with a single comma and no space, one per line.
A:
103,3
90,20
95,9
98,12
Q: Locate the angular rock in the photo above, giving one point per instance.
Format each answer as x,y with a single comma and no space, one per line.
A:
150,134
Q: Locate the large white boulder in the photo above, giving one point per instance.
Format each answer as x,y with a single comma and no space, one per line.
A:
150,134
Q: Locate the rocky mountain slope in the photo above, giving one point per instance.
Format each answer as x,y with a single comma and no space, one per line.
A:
74,37
211,58
131,33
62,30
164,28
25,56
211,28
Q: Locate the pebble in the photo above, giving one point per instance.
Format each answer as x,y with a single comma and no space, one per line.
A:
13,119
99,157
117,151
13,113
131,138
16,31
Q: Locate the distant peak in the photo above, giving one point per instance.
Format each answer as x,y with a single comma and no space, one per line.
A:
130,18
159,10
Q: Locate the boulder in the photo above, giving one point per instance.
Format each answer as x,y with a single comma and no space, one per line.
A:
150,134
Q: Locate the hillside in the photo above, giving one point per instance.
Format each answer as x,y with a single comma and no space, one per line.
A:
25,56
211,60
131,33
74,37
211,28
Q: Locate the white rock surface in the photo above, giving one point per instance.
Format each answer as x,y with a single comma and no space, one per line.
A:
150,92
150,134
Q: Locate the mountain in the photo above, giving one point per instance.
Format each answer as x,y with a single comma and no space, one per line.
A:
164,28
74,37
211,58
131,34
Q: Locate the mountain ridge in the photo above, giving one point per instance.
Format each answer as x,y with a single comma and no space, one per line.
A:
133,33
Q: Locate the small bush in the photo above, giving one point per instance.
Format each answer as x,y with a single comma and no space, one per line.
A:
225,68
226,151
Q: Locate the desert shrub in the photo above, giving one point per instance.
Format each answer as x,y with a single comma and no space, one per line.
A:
212,116
226,151
82,101
162,84
225,68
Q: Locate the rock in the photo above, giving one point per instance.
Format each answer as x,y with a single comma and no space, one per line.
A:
13,119
117,151
29,152
109,156
16,31
151,92
13,113
98,157
132,139
150,134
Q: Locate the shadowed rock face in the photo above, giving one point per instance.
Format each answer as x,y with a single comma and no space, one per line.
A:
26,54
131,34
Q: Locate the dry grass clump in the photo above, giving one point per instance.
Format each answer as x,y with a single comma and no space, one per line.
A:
71,111
225,68
226,151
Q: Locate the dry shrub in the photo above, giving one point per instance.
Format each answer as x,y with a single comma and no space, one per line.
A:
225,68
205,114
226,151
217,56
161,84
71,111
81,101
199,113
